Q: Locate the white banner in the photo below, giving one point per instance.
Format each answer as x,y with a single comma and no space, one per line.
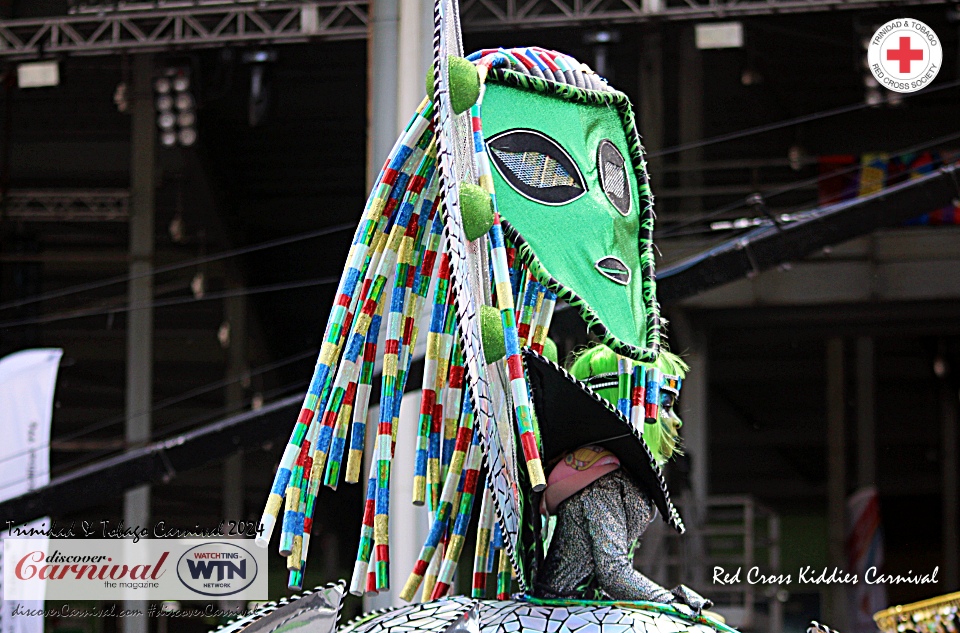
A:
27,383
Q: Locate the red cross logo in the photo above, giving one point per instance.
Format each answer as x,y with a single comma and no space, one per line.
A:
905,54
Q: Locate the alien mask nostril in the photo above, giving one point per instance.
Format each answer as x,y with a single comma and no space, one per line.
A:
614,269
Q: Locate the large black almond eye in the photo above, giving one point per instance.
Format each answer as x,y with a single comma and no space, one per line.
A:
614,269
536,166
613,176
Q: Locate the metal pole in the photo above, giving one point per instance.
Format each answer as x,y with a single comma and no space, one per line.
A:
951,490
866,416
836,478
139,397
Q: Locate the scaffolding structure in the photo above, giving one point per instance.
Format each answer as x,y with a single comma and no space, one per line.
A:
161,25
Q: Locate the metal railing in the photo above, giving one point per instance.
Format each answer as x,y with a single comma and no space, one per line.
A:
732,533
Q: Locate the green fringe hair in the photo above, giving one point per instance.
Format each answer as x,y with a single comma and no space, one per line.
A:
663,439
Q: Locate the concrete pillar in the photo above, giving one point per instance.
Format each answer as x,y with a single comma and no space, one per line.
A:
694,404
693,410
382,83
401,53
866,413
690,68
235,314
951,491
414,57
651,100
139,395
836,479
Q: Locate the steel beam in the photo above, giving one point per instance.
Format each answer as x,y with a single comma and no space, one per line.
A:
68,205
146,27
155,463
495,15
106,28
771,245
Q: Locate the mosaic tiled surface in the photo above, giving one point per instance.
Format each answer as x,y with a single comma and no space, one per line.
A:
511,616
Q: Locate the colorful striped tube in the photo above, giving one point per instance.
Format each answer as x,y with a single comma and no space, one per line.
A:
428,400
370,588
453,404
482,552
543,322
518,382
637,391
537,307
430,579
358,581
651,397
394,371
525,319
332,473
504,576
293,525
402,193
501,279
451,484
465,509
359,427
291,514
624,376
330,350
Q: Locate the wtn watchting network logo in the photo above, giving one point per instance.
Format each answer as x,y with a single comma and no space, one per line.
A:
217,569
904,55
123,569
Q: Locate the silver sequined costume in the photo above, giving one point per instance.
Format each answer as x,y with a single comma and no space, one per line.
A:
592,548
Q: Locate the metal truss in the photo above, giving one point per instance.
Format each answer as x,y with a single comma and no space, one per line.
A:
112,27
181,24
94,205
491,15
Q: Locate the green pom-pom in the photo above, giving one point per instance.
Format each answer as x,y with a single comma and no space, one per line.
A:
491,328
476,208
464,83
550,350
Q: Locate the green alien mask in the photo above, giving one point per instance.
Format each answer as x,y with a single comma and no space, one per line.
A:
571,186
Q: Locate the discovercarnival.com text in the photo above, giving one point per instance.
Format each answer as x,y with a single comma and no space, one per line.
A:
154,610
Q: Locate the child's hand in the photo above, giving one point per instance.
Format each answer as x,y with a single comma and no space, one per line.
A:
687,596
